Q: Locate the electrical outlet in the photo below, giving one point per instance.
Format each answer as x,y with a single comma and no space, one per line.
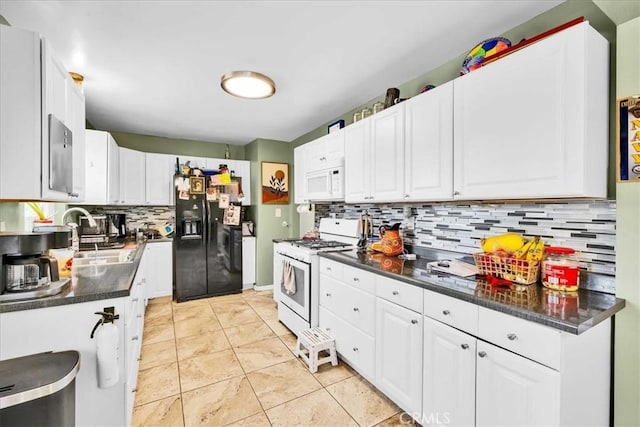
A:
278,212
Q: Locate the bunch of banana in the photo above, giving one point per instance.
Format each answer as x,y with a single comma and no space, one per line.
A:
535,251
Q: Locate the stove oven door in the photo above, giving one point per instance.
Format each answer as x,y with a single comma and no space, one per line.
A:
292,280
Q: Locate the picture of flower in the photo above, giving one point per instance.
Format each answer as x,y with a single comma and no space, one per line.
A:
275,183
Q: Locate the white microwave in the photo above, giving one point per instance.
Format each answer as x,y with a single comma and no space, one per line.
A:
325,184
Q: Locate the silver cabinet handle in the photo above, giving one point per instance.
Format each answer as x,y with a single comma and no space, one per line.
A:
73,195
136,338
327,294
134,299
139,316
512,337
134,390
328,268
482,354
327,329
406,196
456,193
394,293
446,312
356,309
414,321
356,279
464,346
355,348
139,358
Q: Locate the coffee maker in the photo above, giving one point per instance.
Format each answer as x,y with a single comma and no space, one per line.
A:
27,272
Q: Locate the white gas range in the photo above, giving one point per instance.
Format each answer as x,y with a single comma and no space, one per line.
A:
296,271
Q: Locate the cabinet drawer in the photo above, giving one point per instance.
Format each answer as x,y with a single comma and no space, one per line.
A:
451,311
359,278
353,345
536,342
331,268
328,293
401,293
356,307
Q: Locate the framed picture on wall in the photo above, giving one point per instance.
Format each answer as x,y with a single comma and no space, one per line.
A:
275,183
196,184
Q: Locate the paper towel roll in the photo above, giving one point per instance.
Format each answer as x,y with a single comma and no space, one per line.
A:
304,209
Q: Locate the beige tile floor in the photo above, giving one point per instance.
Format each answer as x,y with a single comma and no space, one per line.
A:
229,361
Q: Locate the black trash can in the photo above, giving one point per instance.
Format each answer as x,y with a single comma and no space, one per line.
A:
39,390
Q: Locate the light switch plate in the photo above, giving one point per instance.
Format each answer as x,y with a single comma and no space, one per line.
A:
278,212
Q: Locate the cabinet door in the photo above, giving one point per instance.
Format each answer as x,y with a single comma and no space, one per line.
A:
248,261
513,390
357,162
55,102
113,170
428,156
449,387
158,258
77,125
96,155
159,179
314,155
68,327
298,175
132,177
242,170
334,149
387,147
520,124
399,355
20,114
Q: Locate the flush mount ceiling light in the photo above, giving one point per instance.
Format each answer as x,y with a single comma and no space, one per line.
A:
248,84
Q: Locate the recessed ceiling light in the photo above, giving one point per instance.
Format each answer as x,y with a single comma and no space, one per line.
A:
248,84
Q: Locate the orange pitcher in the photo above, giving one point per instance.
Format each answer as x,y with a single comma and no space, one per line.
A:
391,241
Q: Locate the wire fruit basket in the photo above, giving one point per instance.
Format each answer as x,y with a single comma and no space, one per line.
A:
508,268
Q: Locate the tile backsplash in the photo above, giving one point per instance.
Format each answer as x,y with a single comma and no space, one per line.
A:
588,226
140,216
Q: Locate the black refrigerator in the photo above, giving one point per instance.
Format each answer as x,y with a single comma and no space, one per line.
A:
207,253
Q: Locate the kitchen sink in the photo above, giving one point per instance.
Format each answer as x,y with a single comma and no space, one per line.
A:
93,264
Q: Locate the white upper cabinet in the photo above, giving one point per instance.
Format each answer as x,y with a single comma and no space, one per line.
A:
325,152
535,123
102,181
20,114
35,84
62,99
428,145
159,186
387,154
299,170
357,162
132,177
113,171
78,120
374,158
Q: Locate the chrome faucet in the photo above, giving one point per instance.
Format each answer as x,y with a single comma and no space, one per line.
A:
92,222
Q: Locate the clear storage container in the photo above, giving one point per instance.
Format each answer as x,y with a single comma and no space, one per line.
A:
560,269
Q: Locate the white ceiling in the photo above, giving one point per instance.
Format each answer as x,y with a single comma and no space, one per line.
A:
154,67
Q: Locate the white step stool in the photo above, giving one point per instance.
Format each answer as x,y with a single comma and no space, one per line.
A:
313,341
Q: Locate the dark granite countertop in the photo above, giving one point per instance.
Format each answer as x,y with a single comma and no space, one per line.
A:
115,282
570,312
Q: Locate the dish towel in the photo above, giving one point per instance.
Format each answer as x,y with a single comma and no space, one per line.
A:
288,278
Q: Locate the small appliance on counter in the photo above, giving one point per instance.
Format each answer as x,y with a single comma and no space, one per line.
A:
27,272
109,232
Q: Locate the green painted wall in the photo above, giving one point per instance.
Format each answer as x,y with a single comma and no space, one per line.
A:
158,144
627,348
268,226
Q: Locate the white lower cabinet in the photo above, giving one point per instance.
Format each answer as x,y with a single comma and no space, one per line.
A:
68,327
158,260
513,390
449,374
399,355
248,262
